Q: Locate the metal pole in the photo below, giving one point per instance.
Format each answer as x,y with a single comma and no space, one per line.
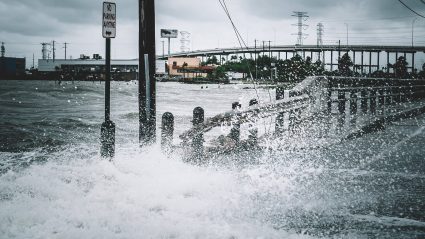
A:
413,22
255,54
163,54
169,47
346,24
108,127
108,80
147,83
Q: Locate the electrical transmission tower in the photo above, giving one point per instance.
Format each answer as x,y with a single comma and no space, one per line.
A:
185,41
3,49
320,31
302,17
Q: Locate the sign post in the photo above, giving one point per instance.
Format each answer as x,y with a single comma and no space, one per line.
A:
108,127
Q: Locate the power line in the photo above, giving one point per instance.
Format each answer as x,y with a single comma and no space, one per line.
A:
411,9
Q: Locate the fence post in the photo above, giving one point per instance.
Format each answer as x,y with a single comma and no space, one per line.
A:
235,132
167,130
280,118
353,103
373,101
341,102
363,102
198,139
329,100
389,97
253,131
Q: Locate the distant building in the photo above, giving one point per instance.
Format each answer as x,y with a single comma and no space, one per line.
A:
11,67
188,67
93,65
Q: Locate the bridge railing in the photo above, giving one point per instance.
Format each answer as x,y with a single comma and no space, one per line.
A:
313,97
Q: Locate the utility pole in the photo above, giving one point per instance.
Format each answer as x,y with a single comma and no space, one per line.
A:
263,48
302,17
65,46
32,60
147,83
54,49
346,25
270,56
255,54
3,49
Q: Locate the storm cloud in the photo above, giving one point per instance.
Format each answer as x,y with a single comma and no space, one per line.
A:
27,23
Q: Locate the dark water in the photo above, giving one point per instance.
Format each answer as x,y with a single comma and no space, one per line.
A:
54,185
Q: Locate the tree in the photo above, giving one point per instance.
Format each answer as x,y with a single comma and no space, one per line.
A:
400,67
212,61
344,64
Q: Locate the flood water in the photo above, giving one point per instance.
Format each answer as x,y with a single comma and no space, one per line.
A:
53,183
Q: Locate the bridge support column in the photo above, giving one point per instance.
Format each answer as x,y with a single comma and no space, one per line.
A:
388,62
362,62
377,60
198,140
413,62
370,63
332,61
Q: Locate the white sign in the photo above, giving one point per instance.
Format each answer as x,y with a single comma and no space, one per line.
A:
160,67
169,33
109,27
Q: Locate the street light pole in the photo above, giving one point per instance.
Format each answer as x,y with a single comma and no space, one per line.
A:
413,22
346,25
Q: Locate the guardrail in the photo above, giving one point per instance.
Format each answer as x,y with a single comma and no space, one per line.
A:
312,97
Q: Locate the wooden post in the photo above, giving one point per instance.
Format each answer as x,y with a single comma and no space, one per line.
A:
235,132
167,131
147,82
253,131
198,139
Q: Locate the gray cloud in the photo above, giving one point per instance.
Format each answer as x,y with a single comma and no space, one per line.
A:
78,22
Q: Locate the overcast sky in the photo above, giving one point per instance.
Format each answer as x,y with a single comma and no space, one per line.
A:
27,23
